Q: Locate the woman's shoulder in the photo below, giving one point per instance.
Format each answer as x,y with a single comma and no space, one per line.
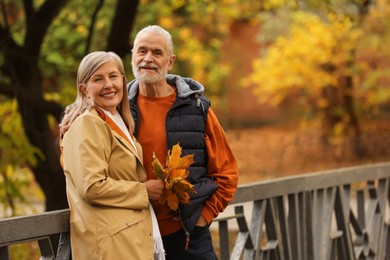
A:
88,119
90,114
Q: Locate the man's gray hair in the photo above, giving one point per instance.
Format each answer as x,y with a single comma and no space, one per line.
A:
157,30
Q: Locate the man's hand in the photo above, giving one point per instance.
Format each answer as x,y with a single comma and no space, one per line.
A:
201,222
154,188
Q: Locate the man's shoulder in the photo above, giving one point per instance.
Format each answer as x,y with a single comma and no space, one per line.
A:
194,102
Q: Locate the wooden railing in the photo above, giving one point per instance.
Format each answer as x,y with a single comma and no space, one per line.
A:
337,214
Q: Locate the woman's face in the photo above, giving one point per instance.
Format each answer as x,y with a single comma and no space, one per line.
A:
105,87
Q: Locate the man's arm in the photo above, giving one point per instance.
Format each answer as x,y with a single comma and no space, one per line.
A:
222,168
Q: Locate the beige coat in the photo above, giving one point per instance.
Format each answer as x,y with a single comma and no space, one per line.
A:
108,201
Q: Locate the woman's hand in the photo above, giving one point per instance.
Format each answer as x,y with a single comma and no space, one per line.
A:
154,188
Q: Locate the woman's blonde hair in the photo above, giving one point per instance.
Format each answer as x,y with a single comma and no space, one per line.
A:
89,64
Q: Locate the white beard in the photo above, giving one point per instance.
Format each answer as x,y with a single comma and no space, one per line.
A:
143,77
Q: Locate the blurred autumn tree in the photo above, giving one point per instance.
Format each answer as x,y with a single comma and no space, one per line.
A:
331,57
40,44
15,153
199,29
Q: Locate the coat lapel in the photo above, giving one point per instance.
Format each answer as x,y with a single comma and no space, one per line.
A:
118,133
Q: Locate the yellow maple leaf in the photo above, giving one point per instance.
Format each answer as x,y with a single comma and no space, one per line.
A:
157,168
177,188
171,199
176,162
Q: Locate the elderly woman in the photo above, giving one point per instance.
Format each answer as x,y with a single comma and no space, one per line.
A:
107,190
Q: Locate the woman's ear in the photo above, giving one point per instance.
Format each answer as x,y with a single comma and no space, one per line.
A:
83,90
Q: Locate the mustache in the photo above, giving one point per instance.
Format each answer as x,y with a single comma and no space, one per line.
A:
148,66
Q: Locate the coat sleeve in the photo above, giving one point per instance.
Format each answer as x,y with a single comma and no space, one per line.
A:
86,154
222,168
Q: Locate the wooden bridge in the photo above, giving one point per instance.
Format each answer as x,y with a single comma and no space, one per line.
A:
337,214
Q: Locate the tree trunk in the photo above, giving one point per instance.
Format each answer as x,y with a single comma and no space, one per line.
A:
353,122
119,38
21,67
35,112
330,117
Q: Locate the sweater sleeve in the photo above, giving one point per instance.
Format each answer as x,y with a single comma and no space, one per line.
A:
222,168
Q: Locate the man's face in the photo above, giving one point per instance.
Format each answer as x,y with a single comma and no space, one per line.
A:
151,59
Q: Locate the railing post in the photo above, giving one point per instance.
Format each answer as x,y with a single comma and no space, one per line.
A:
46,249
244,239
224,239
4,253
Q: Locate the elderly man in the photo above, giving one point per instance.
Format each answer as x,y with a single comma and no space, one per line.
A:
167,110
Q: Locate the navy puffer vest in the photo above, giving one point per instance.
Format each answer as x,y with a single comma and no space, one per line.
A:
185,124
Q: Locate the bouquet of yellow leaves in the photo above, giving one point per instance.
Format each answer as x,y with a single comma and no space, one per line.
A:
174,174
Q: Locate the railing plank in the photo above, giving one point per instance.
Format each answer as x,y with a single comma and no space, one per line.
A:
284,228
20,229
258,216
310,181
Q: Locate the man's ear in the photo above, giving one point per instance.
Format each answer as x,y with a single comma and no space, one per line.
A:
171,61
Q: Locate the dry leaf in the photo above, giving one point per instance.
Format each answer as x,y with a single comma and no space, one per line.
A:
177,188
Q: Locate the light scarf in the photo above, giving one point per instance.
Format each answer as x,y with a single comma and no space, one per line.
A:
121,124
159,252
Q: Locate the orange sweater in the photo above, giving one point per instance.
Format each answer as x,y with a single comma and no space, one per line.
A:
222,166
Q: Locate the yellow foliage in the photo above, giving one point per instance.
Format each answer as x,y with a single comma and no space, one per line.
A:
82,30
322,103
185,33
100,24
17,156
199,56
199,29
274,4
174,174
167,23
299,60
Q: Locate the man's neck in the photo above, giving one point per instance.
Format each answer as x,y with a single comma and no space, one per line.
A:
159,89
